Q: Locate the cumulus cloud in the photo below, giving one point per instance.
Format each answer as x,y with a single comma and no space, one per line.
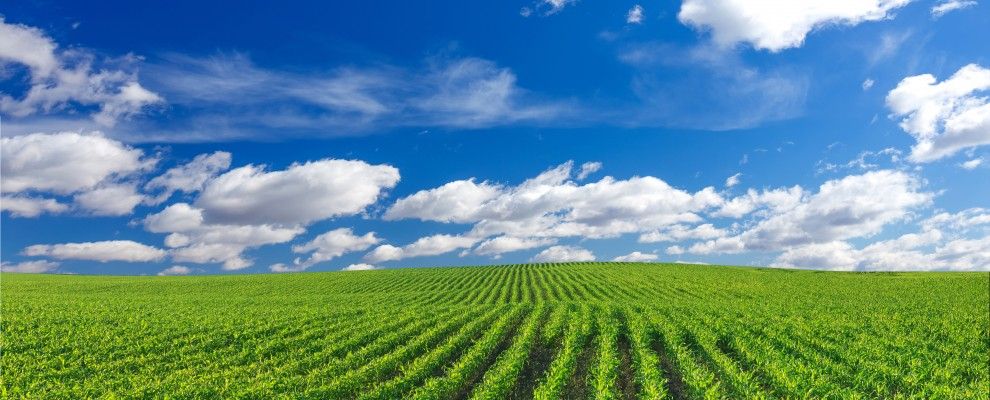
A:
867,84
776,25
89,166
677,233
674,250
636,257
841,209
552,205
193,240
425,246
947,6
249,207
175,270
30,267
943,117
113,250
27,46
61,79
457,201
549,206
563,254
635,15
359,267
189,177
926,250
65,162
29,207
332,244
179,217
109,200
507,244
774,200
961,221
300,194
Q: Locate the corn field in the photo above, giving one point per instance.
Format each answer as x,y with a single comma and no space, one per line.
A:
543,331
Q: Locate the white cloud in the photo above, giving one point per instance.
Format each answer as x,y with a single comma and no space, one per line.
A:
866,160
775,200
636,257
842,209
194,241
113,250
588,168
728,91
29,207
545,7
927,250
547,207
507,244
674,250
359,267
190,177
943,117
457,201
732,180
474,93
27,46
960,222
971,164
62,79
425,246
175,270
232,98
890,43
300,194
676,233
867,84
64,163
635,15
776,25
109,200
831,255
552,205
947,6
563,254
30,267
179,217
227,243
333,244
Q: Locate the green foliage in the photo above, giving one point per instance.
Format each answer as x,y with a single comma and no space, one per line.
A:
548,331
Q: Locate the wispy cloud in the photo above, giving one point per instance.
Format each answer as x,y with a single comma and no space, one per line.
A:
947,6
229,96
725,92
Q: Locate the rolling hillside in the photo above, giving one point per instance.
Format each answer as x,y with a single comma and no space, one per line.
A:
580,330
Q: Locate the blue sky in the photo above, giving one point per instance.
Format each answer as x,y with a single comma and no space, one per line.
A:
191,138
